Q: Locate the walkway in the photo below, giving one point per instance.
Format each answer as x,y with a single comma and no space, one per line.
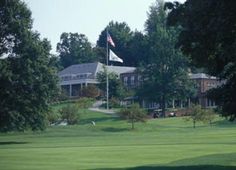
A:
110,111
96,108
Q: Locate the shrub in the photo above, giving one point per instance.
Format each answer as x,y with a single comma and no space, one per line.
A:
53,117
114,103
91,91
70,114
62,96
84,103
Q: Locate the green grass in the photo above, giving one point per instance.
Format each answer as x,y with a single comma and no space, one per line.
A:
168,144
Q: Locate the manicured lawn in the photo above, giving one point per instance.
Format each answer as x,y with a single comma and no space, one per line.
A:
169,144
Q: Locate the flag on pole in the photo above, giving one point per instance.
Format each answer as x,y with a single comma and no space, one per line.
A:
109,39
114,57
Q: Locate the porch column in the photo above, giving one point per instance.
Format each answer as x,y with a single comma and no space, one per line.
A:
70,92
189,102
81,86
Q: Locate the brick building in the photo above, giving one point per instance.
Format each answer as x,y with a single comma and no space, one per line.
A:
205,82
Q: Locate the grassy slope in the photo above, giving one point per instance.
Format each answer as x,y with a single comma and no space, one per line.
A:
169,144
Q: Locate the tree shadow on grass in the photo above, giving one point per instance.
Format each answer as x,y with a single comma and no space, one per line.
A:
206,162
198,167
224,124
111,129
12,143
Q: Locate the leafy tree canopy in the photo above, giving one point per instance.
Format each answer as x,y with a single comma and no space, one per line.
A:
28,80
15,21
166,71
133,114
137,49
121,35
116,88
208,36
75,48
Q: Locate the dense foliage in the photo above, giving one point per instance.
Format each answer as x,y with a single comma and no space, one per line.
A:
208,36
69,113
121,35
116,88
90,91
28,80
165,73
74,48
130,46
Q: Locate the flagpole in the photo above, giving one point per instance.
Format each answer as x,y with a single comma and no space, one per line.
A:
107,74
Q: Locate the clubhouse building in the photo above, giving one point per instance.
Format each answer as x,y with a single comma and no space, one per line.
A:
75,77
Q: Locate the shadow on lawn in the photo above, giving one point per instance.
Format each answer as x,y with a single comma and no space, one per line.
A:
111,129
197,167
206,162
224,124
12,143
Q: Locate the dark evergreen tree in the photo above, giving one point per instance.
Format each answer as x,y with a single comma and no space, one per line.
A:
137,49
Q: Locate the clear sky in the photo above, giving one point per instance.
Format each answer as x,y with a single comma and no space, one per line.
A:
89,17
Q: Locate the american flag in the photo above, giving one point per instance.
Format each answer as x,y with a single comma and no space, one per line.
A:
109,39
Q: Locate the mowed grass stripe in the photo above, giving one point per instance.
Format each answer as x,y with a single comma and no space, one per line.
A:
125,155
161,143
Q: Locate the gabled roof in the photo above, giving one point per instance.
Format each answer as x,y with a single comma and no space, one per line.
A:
80,69
93,69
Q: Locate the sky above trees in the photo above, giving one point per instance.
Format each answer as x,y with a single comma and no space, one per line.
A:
89,17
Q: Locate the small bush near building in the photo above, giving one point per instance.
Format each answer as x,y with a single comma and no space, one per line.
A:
70,114
114,103
53,117
91,91
84,103
62,96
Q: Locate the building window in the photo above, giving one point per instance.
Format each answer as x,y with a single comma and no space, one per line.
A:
125,81
132,80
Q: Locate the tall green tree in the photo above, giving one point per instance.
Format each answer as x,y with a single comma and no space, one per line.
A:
137,49
166,72
28,81
121,35
116,89
75,48
208,36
